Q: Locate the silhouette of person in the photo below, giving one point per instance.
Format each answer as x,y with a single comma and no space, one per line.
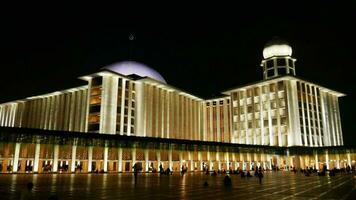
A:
27,193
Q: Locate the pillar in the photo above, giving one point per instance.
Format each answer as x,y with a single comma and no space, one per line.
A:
16,157
349,159
327,159
146,160
226,157
287,159
74,153
133,156
119,159
191,161
200,161
218,159
158,155
210,162
106,153
269,162
170,163
90,158
180,160
37,157
337,161
55,157
297,162
316,161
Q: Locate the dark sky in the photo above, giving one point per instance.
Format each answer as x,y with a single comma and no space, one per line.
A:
203,53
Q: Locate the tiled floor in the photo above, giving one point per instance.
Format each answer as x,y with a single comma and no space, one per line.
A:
281,185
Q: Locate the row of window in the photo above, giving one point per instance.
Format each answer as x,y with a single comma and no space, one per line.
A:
281,62
273,87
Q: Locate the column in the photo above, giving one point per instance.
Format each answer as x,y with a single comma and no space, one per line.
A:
227,161
146,160
349,159
158,155
180,160
119,159
37,158
337,161
16,157
316,161
210,162
74,153
287,160
191,161
218,159
90,158
133,156
297,162
200,161
55,157
170,159
327,159
106,152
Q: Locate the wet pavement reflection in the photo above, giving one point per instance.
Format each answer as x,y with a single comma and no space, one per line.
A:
281,185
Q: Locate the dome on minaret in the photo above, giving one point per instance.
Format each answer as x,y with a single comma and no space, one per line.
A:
277,47
132,67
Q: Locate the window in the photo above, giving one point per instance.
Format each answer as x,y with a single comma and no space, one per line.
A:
96,81
274,122
280,85
270,63
284,121
290,63
281,71
94,109
94,118
234,95
120,82
270,72
257,91
265,123
281,62
95,100
93,127
95,91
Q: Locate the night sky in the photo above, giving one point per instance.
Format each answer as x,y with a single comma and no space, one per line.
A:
200,53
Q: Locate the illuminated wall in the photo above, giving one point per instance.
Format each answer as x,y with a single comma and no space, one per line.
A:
64,110
283,111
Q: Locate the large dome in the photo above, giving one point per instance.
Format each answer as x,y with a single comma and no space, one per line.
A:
277,47
132,67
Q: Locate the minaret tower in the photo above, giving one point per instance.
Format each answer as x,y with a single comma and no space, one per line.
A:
277,60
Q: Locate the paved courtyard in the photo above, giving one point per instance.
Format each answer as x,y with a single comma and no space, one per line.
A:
281,185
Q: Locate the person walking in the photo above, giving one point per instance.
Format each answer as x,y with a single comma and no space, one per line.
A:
135,168
260,176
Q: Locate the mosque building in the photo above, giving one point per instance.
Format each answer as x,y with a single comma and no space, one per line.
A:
127,114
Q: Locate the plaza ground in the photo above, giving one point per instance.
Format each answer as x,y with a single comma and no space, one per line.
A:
275,185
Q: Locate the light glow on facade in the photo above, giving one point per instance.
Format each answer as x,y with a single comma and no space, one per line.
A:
282,111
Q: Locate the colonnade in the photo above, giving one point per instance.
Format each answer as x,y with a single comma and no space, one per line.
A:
119,159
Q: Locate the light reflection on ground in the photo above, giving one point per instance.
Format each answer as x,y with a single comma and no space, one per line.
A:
281,185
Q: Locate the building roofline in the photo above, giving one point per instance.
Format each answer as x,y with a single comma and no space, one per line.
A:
285,77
